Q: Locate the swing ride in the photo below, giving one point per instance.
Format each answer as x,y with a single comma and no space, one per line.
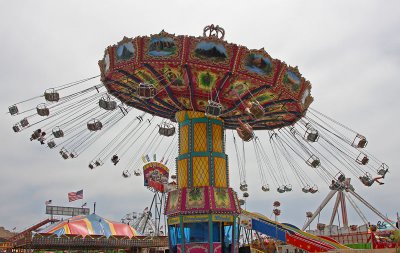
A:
191,94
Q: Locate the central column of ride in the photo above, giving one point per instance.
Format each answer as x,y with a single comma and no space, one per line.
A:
202,212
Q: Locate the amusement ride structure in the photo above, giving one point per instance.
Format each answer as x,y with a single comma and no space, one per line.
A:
194,95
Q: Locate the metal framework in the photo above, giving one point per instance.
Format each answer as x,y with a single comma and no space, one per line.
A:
343,191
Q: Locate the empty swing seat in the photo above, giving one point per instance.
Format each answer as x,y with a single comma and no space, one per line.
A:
313,161
146,91
42,110
213,108
107,104
51,95
166,129
383,169
13,109
51,144
94,125
136,173
58,133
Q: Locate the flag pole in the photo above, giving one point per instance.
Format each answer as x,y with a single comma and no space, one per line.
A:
94,207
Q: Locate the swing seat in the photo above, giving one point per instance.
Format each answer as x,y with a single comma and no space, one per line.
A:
137,173
313,161
166,129
382,172
312,137
51,144
91,165
64,153
277,212
58,133
94,125
366,180
51,95
362,143
146,91
241,202
341,177
281,189
265,188
362,159
288,188
245,195
24,122
13,109
306,189
335,186
243,187
43,111
359,141
309,214
107,104
115,159
98,162
16,128
256,110
313,189
213,109
276,204
73,155
126,174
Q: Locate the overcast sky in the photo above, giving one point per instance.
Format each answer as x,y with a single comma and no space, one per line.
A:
349,50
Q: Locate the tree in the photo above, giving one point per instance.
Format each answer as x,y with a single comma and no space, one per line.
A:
396,238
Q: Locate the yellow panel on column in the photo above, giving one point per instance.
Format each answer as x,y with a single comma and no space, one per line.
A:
217,138
182,173
220,172
200,171
200,134
184,139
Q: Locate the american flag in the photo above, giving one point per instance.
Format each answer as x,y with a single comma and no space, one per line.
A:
72,196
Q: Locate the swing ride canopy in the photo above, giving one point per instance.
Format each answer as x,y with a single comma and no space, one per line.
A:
189,73
163,74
